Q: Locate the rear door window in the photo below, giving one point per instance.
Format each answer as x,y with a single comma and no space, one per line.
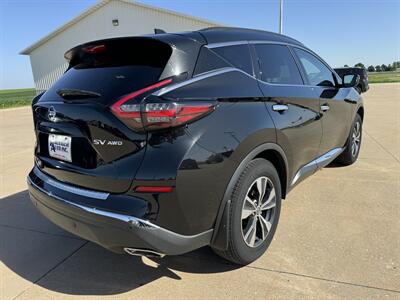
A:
318,74
277,65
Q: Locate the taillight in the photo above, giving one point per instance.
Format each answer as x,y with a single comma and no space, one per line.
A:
158,113
172,114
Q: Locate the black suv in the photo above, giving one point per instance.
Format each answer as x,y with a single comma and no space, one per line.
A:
165,143
363,85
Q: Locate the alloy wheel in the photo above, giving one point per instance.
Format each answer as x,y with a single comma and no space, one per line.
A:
258,211
356,139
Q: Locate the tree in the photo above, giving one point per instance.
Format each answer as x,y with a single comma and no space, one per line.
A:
378,68
383,67
359,65
371,69
346,66
390,68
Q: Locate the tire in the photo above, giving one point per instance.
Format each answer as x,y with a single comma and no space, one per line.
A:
350,154
240,250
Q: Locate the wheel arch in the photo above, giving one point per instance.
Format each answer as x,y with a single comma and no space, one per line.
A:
360,111
269,151
276,158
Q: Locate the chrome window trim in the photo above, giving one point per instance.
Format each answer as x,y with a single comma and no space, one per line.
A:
260,42
226,44
273,43
196,78
216,72
251,42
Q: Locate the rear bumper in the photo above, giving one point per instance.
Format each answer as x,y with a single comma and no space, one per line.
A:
111,230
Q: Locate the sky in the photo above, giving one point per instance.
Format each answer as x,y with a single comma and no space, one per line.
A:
340,31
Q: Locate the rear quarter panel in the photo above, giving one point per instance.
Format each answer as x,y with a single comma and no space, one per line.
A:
202,156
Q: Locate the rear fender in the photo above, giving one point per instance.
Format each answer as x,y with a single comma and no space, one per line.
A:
221,229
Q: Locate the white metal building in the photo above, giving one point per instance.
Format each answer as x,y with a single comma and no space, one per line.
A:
108,18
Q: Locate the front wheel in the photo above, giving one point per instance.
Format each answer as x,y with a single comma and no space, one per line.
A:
350,153
254,212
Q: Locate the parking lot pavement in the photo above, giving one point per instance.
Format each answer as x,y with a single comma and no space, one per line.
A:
16,149
338,237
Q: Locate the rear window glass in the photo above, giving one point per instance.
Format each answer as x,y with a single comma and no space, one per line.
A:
120,67
122,52
238,56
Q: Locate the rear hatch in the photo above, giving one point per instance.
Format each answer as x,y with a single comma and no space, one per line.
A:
79,140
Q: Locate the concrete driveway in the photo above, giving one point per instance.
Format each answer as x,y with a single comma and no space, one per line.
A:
338,237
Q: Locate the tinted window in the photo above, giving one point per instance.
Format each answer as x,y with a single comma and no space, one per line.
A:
121,52
277,65
208,61
317,73
238,56
120,67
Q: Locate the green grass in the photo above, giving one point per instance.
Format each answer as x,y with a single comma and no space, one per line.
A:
384,77
17,97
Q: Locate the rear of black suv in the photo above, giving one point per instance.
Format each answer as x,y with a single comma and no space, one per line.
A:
129,151
93,131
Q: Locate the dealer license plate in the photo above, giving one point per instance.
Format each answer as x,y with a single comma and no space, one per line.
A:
60,147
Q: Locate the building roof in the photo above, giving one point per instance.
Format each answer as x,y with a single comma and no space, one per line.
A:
97,6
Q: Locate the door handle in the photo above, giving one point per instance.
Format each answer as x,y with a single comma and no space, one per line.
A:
280,107
325,107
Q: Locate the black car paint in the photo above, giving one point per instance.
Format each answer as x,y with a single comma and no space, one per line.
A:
199,159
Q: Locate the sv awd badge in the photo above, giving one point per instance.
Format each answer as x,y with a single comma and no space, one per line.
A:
107,143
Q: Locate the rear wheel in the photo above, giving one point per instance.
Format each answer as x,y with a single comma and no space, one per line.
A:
254,212
350,153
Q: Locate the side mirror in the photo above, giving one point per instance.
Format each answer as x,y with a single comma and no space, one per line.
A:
350,80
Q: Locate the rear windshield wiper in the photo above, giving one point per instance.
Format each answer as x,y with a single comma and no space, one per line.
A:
75,94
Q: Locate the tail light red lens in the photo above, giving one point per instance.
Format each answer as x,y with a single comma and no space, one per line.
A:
171,114
159,114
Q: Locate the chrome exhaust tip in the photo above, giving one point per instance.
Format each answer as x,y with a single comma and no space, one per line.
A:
142,252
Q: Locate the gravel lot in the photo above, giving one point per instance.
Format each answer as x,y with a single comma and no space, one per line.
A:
338,237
